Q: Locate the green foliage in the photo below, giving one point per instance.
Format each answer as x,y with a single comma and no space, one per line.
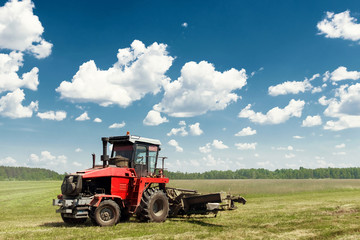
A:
301,173
28,174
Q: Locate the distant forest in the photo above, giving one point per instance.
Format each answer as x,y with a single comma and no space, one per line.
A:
36,174
28,174
301,173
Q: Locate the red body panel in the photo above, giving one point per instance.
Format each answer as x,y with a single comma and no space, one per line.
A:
125,185
109,172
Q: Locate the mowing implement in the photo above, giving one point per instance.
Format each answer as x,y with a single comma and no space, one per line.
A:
131,182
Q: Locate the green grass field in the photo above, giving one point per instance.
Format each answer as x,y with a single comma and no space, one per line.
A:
276,209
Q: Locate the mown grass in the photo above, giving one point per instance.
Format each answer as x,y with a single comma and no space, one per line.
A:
276,209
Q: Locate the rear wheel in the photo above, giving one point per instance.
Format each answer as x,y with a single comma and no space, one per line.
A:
73,221
154,206
106,214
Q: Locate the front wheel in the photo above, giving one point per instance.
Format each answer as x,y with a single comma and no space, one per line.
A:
107,213
154,206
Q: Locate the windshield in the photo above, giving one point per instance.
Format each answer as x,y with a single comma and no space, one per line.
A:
123,151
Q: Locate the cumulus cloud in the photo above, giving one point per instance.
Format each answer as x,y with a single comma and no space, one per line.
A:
341,73
97,120
10,81
181,131
200,89
118,125
195,129
185,25
275,115
11,105
345,106
290,155
290,88
175,144
206,148
246,146
46,159
154,118
21,30
219,144
139,70
83,117
342,145
8,161
340,25
312,121
246,132
78,150
51,115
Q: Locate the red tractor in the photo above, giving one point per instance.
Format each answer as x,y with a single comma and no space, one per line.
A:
130,182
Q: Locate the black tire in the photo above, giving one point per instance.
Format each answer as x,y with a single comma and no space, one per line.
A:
154,206
73,221
107,213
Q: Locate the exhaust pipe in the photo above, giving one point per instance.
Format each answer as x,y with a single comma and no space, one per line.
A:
93,158
105,157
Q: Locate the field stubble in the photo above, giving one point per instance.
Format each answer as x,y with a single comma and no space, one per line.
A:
276,209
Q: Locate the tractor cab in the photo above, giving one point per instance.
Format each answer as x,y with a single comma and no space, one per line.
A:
132,152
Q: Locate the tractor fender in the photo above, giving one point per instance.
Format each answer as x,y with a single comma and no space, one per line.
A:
99,198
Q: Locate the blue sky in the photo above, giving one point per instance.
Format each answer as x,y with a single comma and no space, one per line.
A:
223,85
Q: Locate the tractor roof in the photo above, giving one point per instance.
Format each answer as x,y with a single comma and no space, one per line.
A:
134,139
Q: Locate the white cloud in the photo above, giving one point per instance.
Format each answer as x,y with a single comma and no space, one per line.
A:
139,70
77,164
246,146
10,105
246,132
51,115
195,129
275,115
21,30
290,155
78,150
339,153
345,106
200,89
316,90
10,81
8,161
312,121
340,146
205,149
185,25
298,137
154,118
219,144
288,148
97,120
83,117
118,125
290,88
175,144
340,25
175,131
46,159
265,164
341,73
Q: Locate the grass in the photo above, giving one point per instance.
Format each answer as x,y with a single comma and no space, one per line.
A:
276,209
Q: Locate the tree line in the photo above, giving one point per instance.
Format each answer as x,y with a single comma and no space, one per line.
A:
301,173
28,174
36,174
